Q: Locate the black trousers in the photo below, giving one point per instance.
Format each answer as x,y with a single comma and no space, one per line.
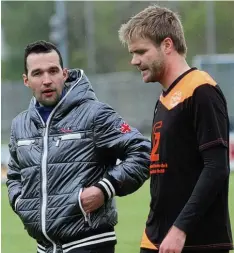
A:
97,249
189,251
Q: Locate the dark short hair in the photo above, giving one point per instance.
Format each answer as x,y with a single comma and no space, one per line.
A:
38,47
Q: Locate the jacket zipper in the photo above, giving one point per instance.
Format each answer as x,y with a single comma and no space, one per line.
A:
44,180
86,216
44,166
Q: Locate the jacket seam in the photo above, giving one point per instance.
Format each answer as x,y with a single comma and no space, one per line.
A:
94,119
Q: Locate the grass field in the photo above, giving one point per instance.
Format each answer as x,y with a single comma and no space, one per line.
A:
133,211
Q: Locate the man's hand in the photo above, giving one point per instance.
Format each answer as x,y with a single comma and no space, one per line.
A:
173,242
91,199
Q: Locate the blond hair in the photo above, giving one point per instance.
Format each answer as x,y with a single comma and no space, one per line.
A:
155,23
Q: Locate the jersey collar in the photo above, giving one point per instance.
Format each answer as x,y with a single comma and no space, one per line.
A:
164,93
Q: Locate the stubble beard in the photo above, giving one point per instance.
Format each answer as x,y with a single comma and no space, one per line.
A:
157,70
50,101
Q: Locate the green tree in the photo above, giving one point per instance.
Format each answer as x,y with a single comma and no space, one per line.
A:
23,22
27,21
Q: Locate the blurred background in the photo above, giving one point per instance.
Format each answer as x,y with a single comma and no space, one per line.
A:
86,32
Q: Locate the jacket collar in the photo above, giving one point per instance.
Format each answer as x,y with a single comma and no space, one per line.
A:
78,90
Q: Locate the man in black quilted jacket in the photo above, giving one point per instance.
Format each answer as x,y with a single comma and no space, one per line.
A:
63,174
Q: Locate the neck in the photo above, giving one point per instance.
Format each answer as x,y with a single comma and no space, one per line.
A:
45,106
175,67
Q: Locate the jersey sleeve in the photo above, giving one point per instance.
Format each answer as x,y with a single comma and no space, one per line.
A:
210,120
210,117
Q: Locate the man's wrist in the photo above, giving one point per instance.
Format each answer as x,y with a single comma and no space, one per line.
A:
179,231
99,186
106,187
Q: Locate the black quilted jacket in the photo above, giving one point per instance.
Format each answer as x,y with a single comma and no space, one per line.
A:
78,147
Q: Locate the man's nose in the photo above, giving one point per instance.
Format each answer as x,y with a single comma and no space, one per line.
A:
135,60
46,79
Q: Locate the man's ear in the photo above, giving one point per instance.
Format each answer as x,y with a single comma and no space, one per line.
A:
65,74
25,78
167,45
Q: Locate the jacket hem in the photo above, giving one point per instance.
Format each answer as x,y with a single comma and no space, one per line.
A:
91,241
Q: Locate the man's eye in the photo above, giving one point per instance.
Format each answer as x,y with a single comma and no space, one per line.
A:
53,71
140,52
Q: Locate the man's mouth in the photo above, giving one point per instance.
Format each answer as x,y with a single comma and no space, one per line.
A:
142,70
48,92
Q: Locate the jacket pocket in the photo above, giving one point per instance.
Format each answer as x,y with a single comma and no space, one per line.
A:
25,142
86,215
65,137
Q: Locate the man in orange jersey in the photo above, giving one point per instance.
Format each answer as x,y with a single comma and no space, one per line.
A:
190,141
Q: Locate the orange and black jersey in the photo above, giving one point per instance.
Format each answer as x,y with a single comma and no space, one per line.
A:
189,164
